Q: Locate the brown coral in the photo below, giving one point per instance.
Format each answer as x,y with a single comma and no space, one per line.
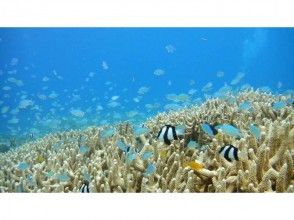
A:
267,167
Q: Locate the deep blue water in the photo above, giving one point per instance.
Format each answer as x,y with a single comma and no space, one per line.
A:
59,70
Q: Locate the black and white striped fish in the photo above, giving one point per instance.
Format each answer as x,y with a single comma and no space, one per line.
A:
85,187
168,133
229,152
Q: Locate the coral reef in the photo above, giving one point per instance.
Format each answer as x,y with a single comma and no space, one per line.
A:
56,164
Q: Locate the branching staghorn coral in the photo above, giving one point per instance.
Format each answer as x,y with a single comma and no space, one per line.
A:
56,163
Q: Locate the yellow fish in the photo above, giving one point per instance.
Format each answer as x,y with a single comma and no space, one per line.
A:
218,136
194,165
40,159
163,153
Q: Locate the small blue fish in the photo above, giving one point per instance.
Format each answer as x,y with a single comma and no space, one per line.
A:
193,144
209,129
131,155
291,102
245,106
63,177
72,140
204,147
121,145
50,174
230,130
84,149
107,133
151,168
87,176
19,188
31,136
232,100
180,130
82,140
147,154
279,105
255,131
56,146
265,89
30,180
23,166
140,130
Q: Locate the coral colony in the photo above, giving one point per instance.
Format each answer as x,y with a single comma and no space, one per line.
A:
234,144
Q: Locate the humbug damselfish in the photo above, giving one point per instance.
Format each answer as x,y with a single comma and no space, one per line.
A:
85,187
168,133
230,153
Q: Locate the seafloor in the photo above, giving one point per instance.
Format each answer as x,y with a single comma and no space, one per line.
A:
62,162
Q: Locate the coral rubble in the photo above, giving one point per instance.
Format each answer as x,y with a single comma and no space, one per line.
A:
56,163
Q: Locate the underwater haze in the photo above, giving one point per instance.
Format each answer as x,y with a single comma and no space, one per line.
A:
58,79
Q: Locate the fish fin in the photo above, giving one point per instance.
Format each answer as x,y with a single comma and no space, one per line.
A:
217,126
218,136
221,150
180,130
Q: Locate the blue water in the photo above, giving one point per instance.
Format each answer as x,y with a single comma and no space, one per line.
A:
64,70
